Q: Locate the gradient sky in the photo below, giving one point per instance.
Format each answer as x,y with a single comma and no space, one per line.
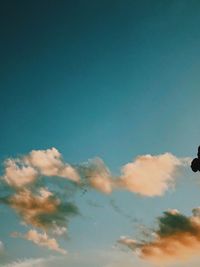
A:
113,79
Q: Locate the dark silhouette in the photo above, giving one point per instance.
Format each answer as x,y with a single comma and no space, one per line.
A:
195,164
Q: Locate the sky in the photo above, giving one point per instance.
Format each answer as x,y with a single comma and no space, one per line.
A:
99,107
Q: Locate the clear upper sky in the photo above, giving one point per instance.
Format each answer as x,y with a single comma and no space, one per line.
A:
113,79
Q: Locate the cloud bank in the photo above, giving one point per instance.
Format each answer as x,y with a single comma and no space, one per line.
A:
34,193
147,175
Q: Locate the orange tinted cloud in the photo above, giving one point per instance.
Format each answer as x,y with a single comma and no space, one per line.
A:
176,239
41,209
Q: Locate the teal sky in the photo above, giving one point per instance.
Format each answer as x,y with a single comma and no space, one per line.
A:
109,79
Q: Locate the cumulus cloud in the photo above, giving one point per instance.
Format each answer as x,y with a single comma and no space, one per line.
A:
39,203
49,163
22,171
42,240
41,209
177,238
42,203
17,174
149,175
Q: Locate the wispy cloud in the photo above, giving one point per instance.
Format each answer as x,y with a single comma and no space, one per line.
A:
95,174
41,239
37,262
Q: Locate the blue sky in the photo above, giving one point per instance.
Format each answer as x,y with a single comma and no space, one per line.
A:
109,79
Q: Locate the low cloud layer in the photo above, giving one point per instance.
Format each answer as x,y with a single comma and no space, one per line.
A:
176,239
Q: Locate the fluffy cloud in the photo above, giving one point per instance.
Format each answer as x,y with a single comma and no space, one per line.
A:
43,209
42,203
31,198
25,170
177,238
42,240
17,174
49,163
149,175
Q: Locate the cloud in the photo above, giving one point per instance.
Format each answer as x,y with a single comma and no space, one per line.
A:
128,242
25,170
149,175
41,202
44,207
176,239
59,230
49,163
17,174
42,240
97,175
31,262
83,258
41,209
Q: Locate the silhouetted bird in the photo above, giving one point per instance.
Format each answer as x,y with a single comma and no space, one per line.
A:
195,164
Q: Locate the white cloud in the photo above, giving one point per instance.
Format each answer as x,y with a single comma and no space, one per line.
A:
17,174
49,163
